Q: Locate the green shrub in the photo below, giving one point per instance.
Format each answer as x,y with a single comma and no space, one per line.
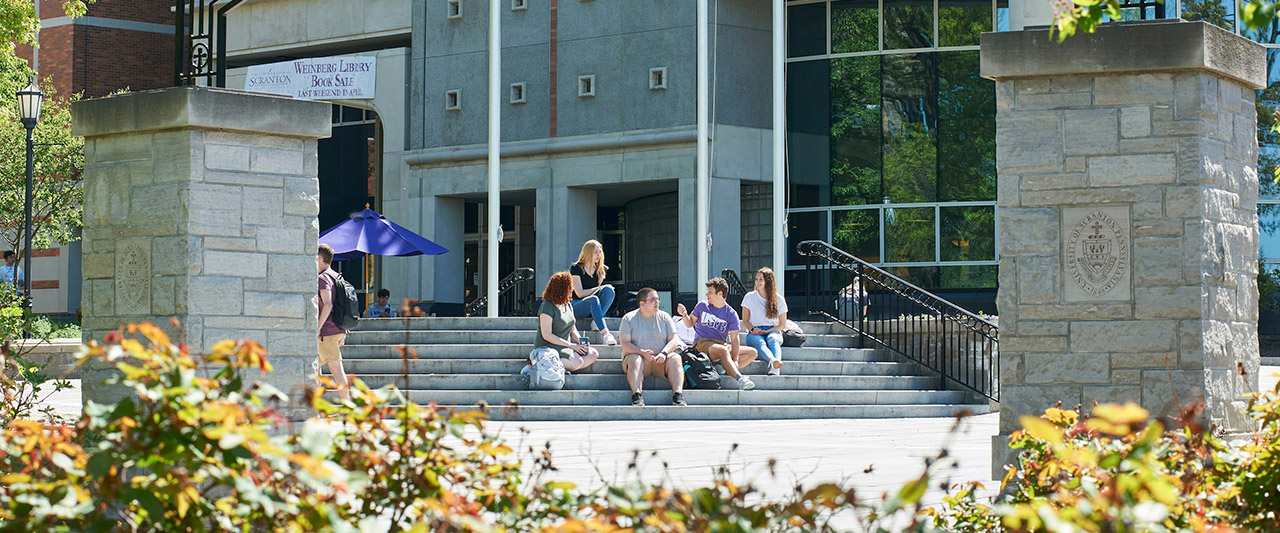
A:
199,447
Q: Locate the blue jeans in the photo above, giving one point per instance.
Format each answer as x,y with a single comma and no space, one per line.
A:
595,306
769,346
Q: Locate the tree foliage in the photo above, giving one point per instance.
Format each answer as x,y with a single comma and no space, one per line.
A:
59,161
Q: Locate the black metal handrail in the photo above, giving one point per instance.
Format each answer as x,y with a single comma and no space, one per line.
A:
962,347
511,302
736,288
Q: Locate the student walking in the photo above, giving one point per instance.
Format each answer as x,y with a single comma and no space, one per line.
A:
331,337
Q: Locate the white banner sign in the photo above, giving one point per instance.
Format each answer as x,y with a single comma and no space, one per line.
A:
323,78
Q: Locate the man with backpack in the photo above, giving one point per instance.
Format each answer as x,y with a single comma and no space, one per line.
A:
650,347
333,298
716,325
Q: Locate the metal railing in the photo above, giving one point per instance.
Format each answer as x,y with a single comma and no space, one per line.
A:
515,295
736,289
962,347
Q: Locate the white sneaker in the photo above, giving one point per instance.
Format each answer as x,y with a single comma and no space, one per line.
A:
609,340
745,383
315,370
775,371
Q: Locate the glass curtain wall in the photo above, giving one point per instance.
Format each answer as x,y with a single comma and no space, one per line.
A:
892,136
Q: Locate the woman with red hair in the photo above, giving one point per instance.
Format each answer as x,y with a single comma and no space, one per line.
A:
556,324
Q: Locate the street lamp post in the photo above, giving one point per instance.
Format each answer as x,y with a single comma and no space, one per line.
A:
29,100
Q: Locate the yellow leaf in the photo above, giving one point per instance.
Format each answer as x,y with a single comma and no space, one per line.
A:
1129,413
9,479
1061,416
1041,429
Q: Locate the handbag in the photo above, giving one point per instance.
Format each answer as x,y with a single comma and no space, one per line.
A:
793,336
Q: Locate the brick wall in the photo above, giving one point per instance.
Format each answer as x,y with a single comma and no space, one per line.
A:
99,60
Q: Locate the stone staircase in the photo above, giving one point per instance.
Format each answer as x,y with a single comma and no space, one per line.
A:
464,361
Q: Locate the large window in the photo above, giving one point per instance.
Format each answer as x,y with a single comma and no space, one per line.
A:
892,135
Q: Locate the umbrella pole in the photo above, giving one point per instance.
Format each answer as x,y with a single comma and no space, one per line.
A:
368,284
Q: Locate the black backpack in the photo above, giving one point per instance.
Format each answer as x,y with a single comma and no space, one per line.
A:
346,307
699,371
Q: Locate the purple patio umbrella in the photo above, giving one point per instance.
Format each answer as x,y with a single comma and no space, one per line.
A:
370,233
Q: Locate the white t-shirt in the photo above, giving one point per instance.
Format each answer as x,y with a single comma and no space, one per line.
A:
756,304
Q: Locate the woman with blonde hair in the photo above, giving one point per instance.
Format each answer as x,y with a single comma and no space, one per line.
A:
592,297
764,313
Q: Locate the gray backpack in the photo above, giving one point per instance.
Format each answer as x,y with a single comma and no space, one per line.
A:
548,370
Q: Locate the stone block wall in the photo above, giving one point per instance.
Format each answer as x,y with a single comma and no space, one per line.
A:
1128,228
1176,152
191,219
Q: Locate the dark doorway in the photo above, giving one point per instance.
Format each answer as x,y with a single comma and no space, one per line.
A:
349,177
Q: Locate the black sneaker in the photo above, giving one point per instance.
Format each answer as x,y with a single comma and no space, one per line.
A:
637,399
678,399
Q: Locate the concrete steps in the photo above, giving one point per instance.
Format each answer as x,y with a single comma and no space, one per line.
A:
473,363
520,351
613,366
722,412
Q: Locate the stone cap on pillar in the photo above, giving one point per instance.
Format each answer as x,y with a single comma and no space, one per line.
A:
203,108
1154,46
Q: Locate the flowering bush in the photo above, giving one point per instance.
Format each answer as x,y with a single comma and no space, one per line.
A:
198,447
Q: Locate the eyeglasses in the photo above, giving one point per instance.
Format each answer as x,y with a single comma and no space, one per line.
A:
653,300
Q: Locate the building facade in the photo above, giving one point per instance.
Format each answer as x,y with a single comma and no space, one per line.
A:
890,153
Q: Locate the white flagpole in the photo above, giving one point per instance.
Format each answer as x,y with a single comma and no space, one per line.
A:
495,138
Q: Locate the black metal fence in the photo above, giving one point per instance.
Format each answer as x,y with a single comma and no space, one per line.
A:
884,309
516,295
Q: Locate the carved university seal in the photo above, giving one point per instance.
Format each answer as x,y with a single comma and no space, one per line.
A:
1097,253
133,274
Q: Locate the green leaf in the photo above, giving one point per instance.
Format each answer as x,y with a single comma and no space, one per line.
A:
99,465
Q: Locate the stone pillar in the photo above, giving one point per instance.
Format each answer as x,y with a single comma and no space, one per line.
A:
445,221
726,226
566,219
200,205
1128,220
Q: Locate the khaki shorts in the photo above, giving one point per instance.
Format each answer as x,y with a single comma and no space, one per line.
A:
704,344
650,368
329,348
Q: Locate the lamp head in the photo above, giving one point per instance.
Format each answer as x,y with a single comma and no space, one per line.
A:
29,100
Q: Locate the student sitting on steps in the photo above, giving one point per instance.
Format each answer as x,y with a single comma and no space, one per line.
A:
716,325
556,329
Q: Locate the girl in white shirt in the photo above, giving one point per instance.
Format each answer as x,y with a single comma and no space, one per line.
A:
764,314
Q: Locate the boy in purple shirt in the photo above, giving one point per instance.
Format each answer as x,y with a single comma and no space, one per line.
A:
716,325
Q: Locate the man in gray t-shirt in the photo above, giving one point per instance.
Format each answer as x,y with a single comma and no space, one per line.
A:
649,345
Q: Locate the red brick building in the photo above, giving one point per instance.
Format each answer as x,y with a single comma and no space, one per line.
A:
117,44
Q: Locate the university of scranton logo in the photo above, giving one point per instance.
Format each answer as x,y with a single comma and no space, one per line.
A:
1097,254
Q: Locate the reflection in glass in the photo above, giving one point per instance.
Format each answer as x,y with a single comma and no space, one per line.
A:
908,24
1221,13
808,132
1002,15
858,233
1267,102
855,131
967,277
855,26
924,277
804,227
1269,236
910,128
806,30
966,129
908,234
968,233
1266,34
960,22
